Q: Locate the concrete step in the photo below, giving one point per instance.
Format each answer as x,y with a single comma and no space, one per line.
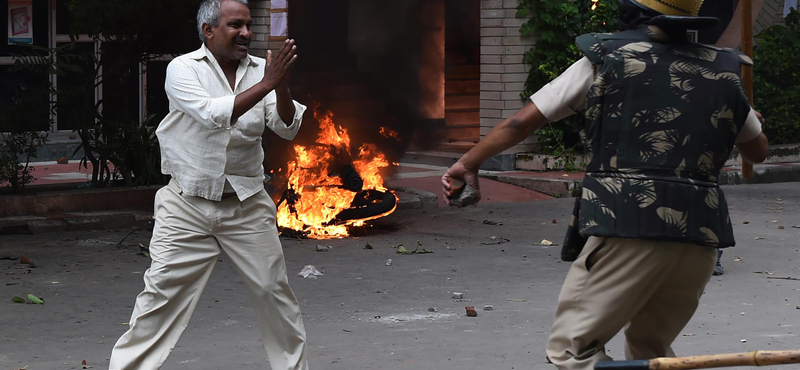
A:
464,72
462,134
462,86
462,101
431,158
462,117
456,58
457,146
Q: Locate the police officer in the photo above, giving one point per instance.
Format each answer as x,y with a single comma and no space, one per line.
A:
662,117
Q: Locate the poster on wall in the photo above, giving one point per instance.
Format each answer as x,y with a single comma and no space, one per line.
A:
278,20
278,25
20,22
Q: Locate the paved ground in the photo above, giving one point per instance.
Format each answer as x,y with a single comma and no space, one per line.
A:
364,315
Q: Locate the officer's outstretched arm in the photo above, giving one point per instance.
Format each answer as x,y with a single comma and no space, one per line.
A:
506,134
756,150
503,136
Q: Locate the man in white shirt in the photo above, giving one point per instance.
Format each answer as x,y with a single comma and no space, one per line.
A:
221,99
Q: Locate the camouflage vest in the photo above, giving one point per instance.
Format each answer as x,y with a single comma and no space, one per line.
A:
661,121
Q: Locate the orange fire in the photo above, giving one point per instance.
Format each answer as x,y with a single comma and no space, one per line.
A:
388,133
320,197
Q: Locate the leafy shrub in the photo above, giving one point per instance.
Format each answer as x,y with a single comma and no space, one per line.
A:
23,125
777,80
557,23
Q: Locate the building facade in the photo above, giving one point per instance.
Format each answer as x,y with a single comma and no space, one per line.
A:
458,64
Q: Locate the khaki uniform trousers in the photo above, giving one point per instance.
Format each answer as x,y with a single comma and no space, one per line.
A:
652,287
187,240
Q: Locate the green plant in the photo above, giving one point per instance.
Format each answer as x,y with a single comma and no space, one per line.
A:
777,80
134,151
114,137
557,23
23,126
552,141
106,136
74,100
130,34
15,156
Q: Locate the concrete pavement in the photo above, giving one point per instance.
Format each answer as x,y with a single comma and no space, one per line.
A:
363,314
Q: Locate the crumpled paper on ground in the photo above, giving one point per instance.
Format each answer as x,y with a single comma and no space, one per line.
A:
310,272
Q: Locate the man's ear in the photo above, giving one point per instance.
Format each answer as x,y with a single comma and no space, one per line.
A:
208,31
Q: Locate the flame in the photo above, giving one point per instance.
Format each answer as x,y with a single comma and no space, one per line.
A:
388,133
594,4
320,197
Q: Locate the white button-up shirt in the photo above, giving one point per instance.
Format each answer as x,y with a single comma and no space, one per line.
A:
200,148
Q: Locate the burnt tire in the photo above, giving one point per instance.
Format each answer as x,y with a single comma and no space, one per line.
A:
368,203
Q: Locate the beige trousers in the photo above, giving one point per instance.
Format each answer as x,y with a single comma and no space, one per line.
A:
652,287
189,234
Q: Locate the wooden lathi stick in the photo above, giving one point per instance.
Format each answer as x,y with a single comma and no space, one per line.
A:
757,358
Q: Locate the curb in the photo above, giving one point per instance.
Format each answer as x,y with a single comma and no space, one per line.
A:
14,227
443,159
46,226
408,198
73,222
763,174
407,201
74,201
553,187
424,198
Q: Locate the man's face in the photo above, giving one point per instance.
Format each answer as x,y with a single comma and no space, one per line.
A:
230,39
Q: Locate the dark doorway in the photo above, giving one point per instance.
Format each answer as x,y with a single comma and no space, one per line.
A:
319,27
462,73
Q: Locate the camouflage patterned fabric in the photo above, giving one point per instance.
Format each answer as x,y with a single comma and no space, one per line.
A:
661,121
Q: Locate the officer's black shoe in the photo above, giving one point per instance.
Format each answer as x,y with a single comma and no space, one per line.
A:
718,268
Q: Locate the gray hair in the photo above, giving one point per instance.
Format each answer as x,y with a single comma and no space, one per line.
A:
209,13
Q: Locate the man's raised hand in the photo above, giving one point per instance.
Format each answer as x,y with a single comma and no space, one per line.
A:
277,68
